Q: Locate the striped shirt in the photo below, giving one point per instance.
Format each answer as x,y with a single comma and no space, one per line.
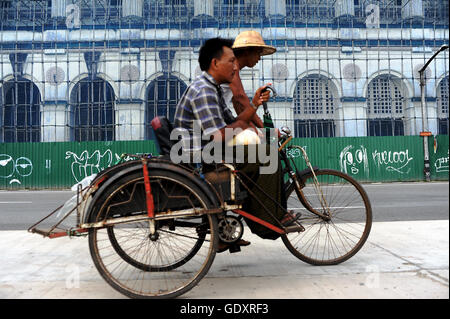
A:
202,105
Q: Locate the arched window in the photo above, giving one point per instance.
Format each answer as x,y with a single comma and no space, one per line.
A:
442,103
163,95
314,107
385,107
20,118
92,107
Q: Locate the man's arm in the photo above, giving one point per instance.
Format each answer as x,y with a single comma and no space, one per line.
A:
240,100
244,119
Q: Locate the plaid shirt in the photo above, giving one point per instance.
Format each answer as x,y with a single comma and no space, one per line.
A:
203,103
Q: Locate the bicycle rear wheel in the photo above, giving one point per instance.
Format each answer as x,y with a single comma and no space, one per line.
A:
163,266
332,240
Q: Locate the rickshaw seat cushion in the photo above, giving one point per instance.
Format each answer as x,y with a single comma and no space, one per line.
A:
162,128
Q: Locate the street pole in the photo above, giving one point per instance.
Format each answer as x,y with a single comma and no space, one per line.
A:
425,133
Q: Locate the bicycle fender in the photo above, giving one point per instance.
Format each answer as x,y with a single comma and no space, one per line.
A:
135,166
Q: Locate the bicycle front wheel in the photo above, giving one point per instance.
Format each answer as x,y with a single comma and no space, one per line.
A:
336,216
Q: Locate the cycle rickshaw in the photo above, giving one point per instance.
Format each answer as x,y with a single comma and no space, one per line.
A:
154,226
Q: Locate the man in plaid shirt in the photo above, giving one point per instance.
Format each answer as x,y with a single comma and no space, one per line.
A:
203,100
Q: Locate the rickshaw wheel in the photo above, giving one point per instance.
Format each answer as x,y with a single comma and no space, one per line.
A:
332,240
163,266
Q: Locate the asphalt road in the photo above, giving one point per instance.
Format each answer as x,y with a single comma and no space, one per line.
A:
390,202
405,256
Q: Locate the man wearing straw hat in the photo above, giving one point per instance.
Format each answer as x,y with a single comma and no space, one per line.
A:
203,103
248,48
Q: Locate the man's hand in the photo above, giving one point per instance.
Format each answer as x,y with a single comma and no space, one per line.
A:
261,95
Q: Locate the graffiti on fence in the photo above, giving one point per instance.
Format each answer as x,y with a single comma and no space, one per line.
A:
295,152
441,164
353,160
15,169
393,161
86,163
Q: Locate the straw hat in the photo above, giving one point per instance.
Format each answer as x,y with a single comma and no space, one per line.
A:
248,39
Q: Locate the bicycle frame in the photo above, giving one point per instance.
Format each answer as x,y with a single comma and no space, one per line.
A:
151,216
293,174
280,229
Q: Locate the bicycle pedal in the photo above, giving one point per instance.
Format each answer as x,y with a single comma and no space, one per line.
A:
297,228
234,249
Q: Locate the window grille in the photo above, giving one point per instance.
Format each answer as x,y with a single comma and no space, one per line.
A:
310,11
436,12
93,111
164,11
442,103
163,94
314,108
385,107
20,111
136,58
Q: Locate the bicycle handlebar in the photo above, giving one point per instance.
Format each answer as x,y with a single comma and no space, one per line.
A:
274,93
270,87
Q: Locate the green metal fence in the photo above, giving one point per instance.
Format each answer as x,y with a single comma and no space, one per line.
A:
60,164
378,159
439,157
368,159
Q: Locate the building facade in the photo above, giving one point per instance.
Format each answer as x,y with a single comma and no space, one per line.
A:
85,70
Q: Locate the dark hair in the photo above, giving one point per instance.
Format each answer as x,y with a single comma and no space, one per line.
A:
212,48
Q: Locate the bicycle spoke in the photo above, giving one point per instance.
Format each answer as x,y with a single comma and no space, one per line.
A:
172,260
332,240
